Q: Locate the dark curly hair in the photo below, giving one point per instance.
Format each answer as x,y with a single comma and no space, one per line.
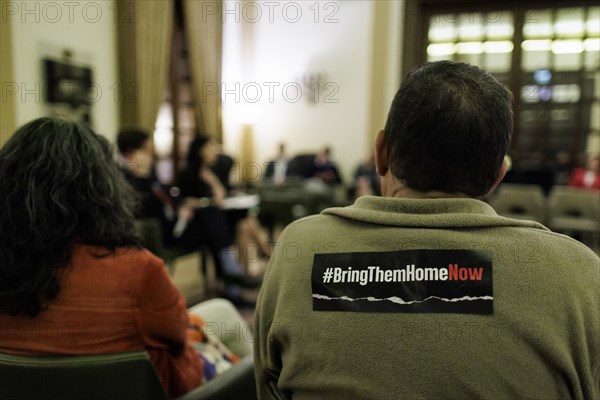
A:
59,185
449,128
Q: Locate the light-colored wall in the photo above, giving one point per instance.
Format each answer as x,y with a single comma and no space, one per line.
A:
278,52
282,52
87,28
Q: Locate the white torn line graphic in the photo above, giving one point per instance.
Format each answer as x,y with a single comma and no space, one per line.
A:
398,300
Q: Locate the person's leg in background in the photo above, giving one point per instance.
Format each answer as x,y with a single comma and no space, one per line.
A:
252,241
210,227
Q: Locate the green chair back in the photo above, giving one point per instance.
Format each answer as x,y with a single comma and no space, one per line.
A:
151,232
520,201
99,377
574,210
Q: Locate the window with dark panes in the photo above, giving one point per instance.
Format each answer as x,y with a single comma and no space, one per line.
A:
550,59
176,120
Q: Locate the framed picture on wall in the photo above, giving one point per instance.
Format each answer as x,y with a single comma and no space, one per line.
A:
68,90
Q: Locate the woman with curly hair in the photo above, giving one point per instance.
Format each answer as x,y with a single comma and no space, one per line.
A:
74,278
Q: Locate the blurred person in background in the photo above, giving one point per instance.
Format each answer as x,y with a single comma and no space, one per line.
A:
276,168
588,177
366,180
202,188
222,167
562,168
323,169
184,221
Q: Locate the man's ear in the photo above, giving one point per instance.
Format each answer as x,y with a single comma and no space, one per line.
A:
381,154
501,174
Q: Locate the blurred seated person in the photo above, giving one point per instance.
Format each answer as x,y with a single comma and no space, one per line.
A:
71,263
588,177
366,180
222,168
200,187
324,169
183,222
277,167
562,168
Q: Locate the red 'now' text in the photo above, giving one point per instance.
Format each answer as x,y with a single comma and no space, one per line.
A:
456,273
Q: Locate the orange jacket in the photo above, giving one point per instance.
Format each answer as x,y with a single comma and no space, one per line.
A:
123,302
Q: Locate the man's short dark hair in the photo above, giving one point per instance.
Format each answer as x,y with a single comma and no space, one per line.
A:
449,129
131,139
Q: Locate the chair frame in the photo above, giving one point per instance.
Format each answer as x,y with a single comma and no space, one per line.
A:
90,376
150,230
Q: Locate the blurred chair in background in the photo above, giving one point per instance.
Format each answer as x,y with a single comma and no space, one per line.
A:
520,201
575,212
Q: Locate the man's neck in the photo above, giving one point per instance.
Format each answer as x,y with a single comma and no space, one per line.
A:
400,190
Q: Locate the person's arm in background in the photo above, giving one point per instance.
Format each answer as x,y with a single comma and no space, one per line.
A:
201,189
217,189
163,321
311,170
222,169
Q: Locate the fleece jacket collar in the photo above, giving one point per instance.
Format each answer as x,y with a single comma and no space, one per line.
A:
427,213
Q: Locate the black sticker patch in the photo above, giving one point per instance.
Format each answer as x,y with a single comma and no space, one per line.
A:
412,281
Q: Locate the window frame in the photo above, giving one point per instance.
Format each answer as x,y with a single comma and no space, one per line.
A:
418,13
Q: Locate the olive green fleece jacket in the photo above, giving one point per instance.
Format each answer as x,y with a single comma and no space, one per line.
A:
541,342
